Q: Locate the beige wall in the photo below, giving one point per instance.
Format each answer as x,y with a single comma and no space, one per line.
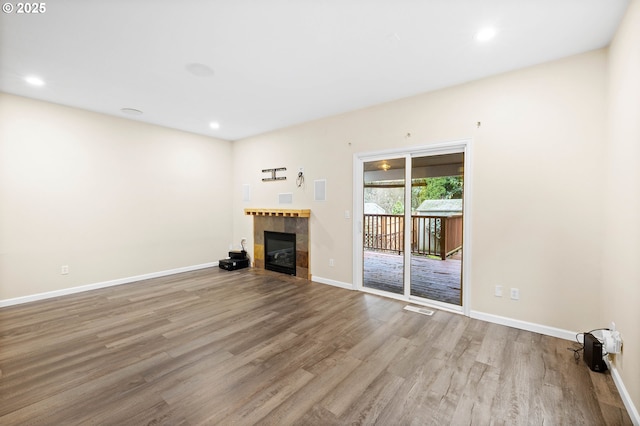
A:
537,170
621,283
111,198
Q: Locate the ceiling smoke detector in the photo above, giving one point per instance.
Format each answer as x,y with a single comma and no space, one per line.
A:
131,111
199,70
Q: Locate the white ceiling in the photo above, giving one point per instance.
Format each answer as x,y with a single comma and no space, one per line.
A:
277,63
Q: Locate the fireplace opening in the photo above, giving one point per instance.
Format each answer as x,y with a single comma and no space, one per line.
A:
280,252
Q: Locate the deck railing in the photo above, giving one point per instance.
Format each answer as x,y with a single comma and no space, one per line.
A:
432,235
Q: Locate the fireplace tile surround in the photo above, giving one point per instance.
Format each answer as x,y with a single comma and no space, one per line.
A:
277,220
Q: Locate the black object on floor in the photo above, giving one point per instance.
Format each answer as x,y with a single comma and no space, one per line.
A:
237,260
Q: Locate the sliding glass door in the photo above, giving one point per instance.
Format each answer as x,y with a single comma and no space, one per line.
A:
437,184
412,226
384,225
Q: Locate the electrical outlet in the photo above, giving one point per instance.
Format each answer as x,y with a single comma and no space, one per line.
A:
332,262
515,294
347,214
498,291
64,269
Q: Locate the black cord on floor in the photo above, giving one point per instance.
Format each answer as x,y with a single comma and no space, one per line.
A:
576,353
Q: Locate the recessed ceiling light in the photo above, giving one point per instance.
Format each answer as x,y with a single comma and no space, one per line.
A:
486,34
214,125
131,111
34,80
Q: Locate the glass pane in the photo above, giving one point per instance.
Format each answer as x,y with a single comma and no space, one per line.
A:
384,228
436,227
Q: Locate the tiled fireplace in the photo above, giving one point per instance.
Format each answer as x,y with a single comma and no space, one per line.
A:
282,221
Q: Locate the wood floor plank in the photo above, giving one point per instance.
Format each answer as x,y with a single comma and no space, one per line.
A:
474,405
318,416
262,403
352,387
410,401
256,347
366,409
60,408
327,374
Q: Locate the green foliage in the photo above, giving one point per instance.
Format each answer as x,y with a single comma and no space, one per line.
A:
392,199
439,188
386,198
398,208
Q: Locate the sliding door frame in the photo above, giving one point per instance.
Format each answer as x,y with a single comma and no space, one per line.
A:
459,146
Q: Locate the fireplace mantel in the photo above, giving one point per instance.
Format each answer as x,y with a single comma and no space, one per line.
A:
278,212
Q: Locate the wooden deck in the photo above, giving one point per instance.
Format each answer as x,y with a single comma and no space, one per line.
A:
433,279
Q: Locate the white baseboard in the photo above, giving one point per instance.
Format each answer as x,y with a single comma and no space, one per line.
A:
524,325
334,283
110,283
624,394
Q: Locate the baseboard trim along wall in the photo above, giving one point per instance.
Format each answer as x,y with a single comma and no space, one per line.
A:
524,325
624,394
95,286
334,283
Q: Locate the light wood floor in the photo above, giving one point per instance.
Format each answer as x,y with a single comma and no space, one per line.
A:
247,347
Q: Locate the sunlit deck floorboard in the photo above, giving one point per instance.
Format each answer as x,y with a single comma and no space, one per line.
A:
430,278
